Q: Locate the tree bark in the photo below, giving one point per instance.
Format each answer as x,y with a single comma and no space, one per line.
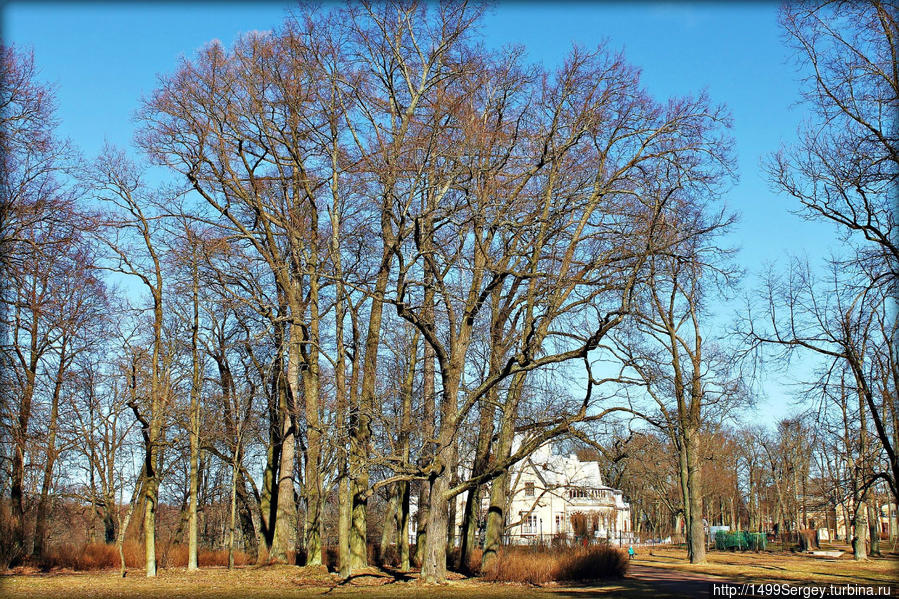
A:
499,488
860,532
874,526
361,428
285,512
233,513
314,433
403,488
696,527
196,382
123,527
427,428
40,528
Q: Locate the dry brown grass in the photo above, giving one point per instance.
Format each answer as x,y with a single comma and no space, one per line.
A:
277,582
100,556
540,565
778,566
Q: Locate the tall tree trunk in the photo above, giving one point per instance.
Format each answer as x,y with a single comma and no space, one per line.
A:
433,569
343,486
427,434
40,528
285,507
361,428
389,527
123,527
268,497
499,488
859,542
874,525
402,532
314,433
472,509
696,537
20,439
233,514
403,488
196,381
860,533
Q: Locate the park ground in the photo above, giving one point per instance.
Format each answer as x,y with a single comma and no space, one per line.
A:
661,572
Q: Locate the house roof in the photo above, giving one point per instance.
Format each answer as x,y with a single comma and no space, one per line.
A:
563,470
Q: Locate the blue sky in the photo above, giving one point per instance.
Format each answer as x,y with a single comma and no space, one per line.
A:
101,57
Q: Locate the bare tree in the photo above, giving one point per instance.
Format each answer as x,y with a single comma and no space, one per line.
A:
132,227
37,224
686,375
843,170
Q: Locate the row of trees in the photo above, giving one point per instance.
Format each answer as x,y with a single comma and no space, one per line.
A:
366,253
796,477
841,321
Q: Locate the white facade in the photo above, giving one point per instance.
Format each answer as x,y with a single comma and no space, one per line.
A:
558,495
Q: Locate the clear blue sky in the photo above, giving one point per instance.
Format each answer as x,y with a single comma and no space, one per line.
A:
102,57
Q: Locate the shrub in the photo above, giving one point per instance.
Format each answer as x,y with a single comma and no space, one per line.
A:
540,565
11,552
473,566
100,556
92,556
740,540
589,563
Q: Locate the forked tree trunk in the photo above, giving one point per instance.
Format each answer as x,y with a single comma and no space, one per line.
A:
268,496
361,428
285,508
433,569
151,499
499,488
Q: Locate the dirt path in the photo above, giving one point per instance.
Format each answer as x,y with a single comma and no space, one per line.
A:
673,583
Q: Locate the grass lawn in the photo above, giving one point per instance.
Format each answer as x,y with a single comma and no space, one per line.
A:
294,582
284,582
779,566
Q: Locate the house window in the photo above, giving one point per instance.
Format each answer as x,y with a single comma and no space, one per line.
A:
529,489
529,524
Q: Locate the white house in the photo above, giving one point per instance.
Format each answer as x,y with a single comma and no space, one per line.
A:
559,495
556,494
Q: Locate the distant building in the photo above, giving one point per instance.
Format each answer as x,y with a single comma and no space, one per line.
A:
556,495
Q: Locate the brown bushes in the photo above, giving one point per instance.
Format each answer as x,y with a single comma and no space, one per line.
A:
473,567
539,565
11,551
176,557
92,556
100,556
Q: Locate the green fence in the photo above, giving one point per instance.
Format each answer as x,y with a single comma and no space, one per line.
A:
741,540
